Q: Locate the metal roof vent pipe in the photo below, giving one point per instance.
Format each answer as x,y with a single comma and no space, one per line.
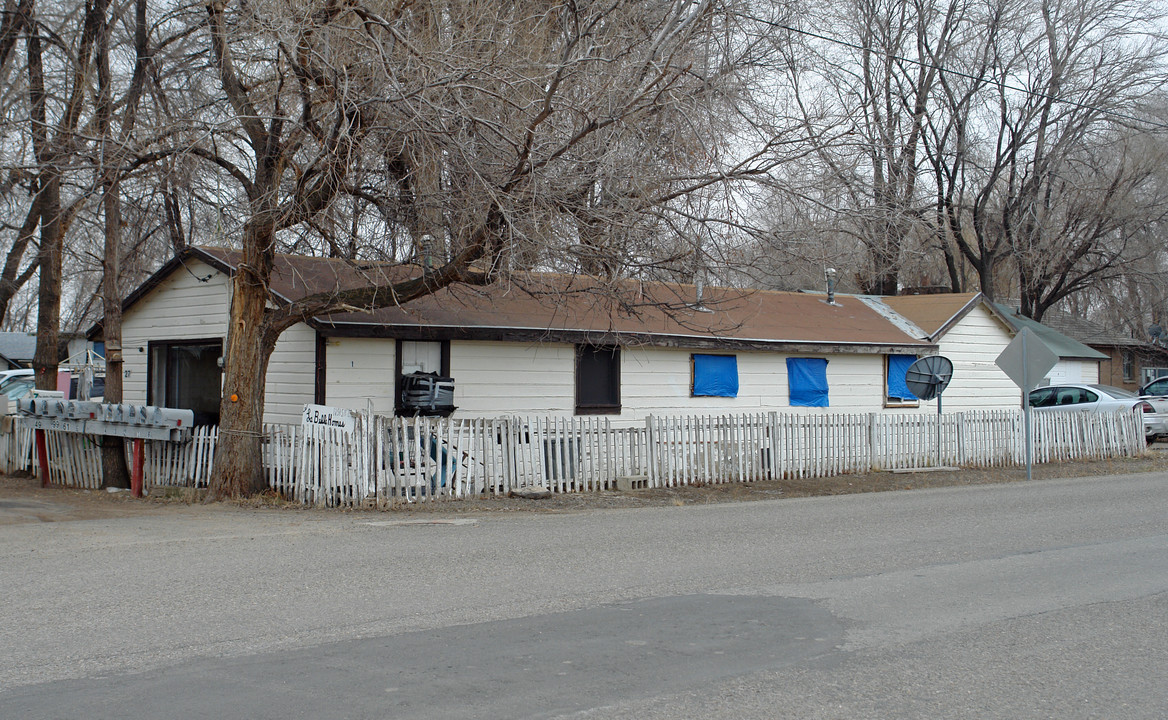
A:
829,276
699,295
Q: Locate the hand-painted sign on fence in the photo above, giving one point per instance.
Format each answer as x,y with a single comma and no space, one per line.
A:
329,417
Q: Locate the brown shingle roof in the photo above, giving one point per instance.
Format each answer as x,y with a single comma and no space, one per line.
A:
547,306
931,313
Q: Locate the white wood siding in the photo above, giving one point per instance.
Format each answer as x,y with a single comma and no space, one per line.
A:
182,307
493,379
978,383
496,378
359,374
657,381
1073,371
291,375
192,304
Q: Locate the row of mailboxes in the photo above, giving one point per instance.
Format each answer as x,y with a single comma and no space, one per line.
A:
119,419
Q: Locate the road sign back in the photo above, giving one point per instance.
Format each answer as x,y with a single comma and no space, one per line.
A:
1027,359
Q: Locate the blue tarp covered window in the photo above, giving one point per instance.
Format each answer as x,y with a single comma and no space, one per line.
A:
807,382
898,391
715,376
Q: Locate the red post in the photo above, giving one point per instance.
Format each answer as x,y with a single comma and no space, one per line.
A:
136,474
42,457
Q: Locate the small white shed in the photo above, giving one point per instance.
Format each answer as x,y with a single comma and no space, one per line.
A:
1077,362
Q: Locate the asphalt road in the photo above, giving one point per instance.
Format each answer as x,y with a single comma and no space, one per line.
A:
1029,600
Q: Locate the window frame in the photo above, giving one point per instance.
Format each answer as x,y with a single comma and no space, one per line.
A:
693,375
889,400
614,367
444,363
166,345
1128,365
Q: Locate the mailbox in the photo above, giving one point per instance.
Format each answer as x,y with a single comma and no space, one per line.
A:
117,419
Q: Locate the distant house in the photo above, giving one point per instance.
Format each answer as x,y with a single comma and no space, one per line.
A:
16,350
1077,362
1130,362
516,350
971,333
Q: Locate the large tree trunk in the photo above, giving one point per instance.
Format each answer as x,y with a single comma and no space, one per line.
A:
985,275
49,201
49,294
238,468
113,456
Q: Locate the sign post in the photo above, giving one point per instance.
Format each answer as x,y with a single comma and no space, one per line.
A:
1026,360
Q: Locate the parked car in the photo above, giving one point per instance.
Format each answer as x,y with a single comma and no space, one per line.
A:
17,386
1156,388
17,383
23,372
1101,399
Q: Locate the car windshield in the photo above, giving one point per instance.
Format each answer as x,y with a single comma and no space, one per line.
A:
1115,392
15,379
18,388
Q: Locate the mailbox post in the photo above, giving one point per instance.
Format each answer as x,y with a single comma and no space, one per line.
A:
137,422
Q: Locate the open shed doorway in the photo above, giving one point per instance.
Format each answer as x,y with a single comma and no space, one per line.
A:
185,374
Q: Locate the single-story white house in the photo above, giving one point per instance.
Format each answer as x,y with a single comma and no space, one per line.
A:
557,346
513,350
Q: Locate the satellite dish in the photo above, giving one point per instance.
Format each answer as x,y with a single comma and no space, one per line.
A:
929,376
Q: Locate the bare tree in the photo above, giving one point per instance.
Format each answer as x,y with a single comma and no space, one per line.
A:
1090,223
503,133
1042,92
864,93
14,22
110,159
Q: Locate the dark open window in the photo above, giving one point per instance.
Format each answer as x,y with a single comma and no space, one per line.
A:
185,374
424,356
597,380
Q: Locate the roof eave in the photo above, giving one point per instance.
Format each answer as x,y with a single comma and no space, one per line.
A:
957,317
332,328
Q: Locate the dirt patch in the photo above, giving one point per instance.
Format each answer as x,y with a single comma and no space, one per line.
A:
23,500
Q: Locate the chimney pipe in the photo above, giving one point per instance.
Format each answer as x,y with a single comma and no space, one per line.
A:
829,275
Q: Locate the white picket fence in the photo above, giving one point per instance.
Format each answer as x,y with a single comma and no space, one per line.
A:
388,460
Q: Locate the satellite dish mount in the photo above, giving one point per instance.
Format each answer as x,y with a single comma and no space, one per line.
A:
927,378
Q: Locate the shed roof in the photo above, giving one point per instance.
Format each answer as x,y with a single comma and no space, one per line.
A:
1065,347
18,346
1090,333
537,306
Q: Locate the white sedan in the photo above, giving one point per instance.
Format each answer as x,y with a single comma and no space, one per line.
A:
1099,398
